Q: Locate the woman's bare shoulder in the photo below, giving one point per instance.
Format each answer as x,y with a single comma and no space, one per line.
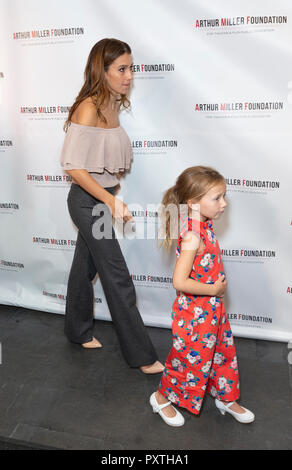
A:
85,113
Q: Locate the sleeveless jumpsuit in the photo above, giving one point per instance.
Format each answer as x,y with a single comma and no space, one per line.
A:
203,355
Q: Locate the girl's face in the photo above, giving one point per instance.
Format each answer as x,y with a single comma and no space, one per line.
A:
212,204
119,74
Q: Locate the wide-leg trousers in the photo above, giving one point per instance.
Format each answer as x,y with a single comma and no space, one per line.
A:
102,255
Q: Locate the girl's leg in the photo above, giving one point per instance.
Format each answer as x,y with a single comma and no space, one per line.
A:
169,411
224,379
187,366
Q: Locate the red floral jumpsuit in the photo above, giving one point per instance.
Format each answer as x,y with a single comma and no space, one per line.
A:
203,355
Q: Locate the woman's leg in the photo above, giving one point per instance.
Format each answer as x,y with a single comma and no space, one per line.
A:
79,303
108,261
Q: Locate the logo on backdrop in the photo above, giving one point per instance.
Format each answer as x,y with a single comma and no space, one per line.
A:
44,180
237,24
144,146
146,223
38,112
151,280
145,214
49,36
5,144
235,109
251,186
10,265
8,208
241,106
152,71
242,255
250,319
53,243
62,297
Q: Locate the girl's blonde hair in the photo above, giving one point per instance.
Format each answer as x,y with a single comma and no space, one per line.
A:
193,183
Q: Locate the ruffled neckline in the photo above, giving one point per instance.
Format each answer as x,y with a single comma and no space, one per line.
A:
93,128
96,149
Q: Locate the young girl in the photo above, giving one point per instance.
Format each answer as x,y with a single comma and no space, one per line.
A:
203,356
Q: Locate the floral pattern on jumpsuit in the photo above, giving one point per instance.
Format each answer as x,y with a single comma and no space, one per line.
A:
203,356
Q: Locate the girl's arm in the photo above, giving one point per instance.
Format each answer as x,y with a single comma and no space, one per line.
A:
181,277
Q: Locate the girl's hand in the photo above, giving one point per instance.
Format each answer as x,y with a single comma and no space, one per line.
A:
220,286
119,210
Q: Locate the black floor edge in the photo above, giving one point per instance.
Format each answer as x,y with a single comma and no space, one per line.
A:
15,444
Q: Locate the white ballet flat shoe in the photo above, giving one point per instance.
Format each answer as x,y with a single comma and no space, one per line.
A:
177,420
247,417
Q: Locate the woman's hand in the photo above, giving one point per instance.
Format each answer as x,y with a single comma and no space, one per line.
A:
119,210
220,286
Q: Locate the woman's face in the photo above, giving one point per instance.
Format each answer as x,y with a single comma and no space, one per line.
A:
119,74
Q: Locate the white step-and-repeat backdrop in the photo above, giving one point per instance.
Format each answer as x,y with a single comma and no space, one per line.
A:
212,86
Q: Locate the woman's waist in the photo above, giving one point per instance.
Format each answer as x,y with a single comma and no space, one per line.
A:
80,195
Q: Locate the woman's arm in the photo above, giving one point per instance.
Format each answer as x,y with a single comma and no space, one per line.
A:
85,180
181,277
85,114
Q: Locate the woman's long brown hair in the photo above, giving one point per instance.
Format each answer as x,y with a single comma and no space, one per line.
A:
101,56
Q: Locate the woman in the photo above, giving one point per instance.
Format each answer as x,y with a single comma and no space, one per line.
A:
95,153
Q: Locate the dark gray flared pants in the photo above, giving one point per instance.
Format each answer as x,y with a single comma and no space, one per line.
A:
102,256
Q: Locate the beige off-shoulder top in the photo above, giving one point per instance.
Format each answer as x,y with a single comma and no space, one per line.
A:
104,153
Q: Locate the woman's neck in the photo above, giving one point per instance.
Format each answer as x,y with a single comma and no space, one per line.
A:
111,112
